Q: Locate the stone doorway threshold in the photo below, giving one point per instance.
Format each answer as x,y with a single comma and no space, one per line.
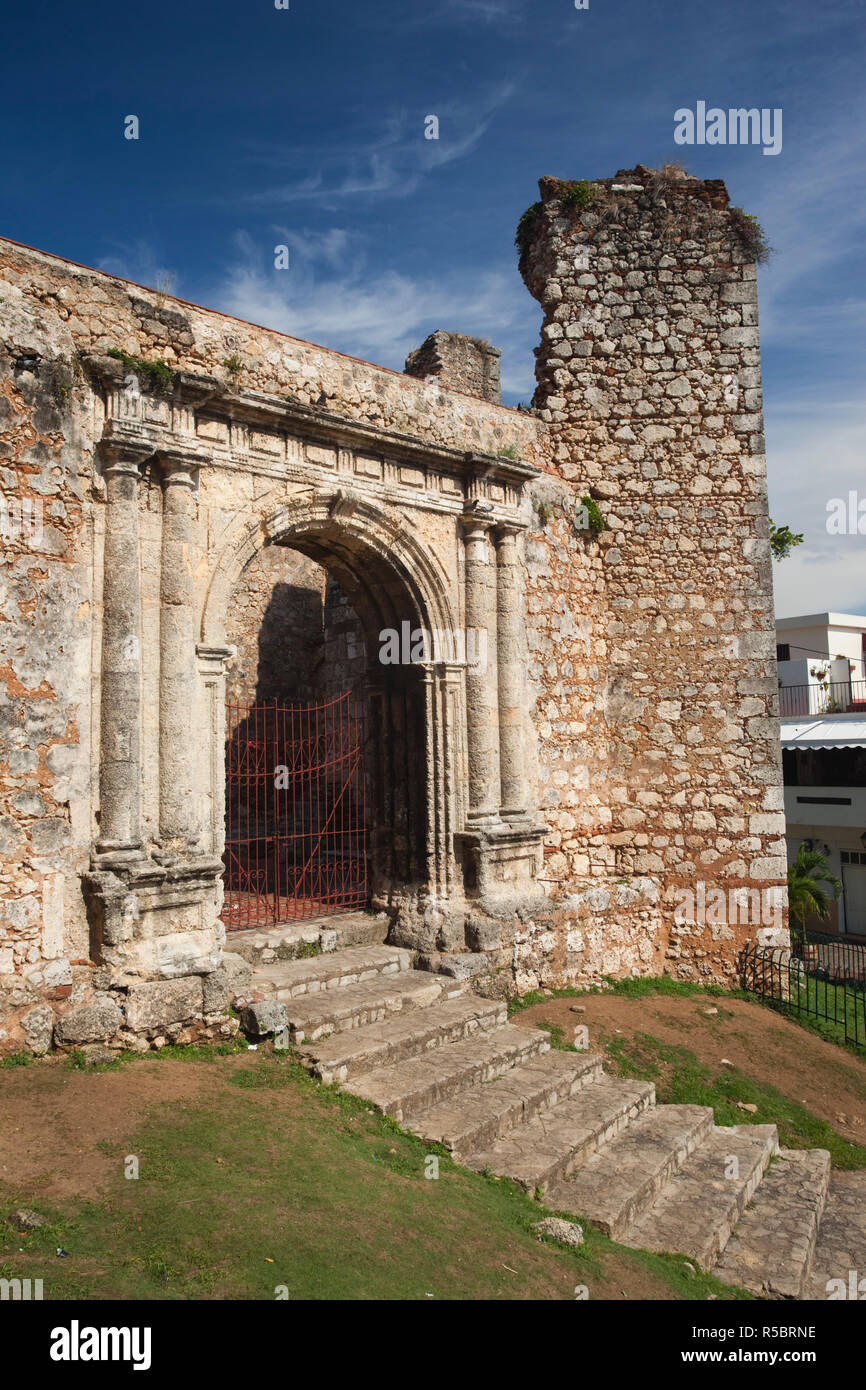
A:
312,937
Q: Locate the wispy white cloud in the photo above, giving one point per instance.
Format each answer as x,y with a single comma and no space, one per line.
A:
391,164
331,295
815,219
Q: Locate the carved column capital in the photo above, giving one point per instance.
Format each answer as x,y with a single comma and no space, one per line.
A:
179,467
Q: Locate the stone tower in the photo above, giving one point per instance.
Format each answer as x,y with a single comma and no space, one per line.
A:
649,380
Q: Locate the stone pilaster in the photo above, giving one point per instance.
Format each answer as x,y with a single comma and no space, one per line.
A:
120,756
510,668
482,714
177,654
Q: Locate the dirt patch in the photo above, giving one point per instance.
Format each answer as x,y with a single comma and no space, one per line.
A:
62,1129
764,1046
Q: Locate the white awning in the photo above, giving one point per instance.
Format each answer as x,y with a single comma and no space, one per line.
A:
830,731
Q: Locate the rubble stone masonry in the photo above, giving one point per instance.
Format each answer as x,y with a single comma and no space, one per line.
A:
628,720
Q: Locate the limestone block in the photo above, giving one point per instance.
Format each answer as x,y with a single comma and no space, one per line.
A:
37,1026
153,1007
97,1020
224,985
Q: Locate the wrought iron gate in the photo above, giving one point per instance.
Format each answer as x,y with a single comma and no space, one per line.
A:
295,812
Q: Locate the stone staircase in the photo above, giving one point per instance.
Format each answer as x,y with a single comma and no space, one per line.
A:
450,1068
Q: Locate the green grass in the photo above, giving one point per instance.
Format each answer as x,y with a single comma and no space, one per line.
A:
274,1180
680,1079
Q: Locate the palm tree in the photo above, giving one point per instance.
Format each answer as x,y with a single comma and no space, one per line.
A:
805,898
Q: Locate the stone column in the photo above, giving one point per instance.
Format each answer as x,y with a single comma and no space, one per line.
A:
482,719
177,653
120,753
509,663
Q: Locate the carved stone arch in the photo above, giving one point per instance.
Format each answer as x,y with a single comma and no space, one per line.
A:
416,712
349,535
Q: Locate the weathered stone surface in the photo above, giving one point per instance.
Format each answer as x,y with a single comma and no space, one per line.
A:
38,1026
26,1219
152,1008
95,1021
222,987
563,1232
264,1017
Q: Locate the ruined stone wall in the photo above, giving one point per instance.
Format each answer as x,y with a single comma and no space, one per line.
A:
46,605
459,363
652,643
54,316
649,720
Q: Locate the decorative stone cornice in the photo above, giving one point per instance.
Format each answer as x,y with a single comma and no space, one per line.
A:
254,408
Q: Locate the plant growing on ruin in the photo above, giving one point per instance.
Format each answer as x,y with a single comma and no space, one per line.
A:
164,284
157,374
510,451
783,540
233,364
543,511
526,230
588,517
751,234
578,194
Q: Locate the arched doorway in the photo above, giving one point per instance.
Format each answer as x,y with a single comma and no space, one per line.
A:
297,746
342,575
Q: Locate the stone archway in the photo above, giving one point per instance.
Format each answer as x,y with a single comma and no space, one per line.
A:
415,710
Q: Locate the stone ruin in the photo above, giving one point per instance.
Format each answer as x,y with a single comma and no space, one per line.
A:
224,510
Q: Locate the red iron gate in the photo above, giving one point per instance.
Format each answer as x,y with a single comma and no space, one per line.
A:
295,812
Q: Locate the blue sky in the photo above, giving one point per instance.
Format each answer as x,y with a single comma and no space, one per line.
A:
305,127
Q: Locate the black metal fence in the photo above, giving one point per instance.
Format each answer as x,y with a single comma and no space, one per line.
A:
833,697
822,978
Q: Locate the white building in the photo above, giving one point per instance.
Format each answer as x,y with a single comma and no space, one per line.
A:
825,804
822,663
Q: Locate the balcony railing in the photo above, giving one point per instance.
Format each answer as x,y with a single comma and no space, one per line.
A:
836,697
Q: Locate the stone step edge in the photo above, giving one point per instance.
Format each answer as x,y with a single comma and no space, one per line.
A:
634,1098
636,1202
720,1233
336,970
733,1266
515,1045
310,1018
426,1031
486,1130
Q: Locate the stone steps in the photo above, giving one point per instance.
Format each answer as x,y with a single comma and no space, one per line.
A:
446,1063
301,940
840,1253
771,1250
311,1017
550,1146
697,1210
405,1089
364,1049
620,1182
284,980
475,1119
